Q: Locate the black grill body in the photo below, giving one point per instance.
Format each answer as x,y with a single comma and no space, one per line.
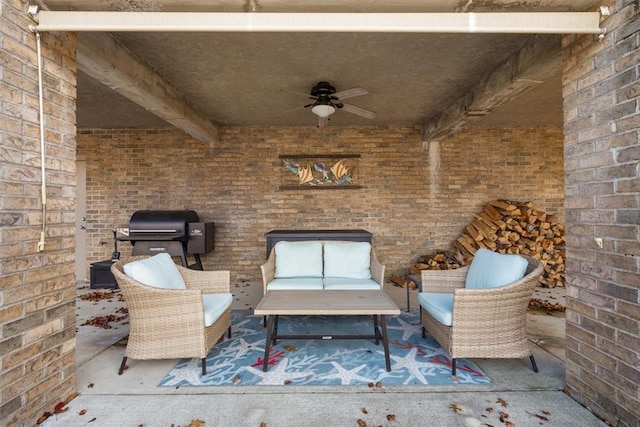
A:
177,233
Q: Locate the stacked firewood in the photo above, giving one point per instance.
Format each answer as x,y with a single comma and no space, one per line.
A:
507,227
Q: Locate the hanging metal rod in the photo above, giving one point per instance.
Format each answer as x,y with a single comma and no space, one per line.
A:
507,22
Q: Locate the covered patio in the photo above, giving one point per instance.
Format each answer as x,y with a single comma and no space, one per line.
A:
435,123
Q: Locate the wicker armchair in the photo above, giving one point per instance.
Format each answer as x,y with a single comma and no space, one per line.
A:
170,323
486,323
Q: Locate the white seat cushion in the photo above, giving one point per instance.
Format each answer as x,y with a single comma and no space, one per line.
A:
158,271
338,283
439,305
298,259
299,283
491,270
214,305
347,260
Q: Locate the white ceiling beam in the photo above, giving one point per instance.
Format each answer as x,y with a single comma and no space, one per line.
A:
489,22
104,59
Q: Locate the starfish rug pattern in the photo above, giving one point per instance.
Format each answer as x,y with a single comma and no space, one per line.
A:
238,361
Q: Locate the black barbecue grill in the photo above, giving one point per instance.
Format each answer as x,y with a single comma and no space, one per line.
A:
178,233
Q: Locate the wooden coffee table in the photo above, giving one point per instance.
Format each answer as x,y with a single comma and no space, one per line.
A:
327,303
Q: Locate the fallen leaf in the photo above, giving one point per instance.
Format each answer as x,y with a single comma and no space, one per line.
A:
489,409
90,385
361,423
263,424
82,412
236,379
60,408
503,416
196,423
287,382
391,417
370,385
290,348
378,384
546,412
510,424
455,408
103,322
364,410
541,417
502,402
43,417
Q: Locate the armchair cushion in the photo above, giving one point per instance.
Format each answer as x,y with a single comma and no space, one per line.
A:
298,259
440,306
158,271
214,305
347,260
339,283
308,283
491,270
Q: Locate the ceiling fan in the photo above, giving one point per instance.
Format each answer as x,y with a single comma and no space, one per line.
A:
327,100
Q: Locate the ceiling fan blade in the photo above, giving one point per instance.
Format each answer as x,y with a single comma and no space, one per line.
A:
359,111
322,122
350,93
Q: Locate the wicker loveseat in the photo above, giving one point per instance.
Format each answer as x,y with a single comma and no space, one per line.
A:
179,313
320,264
480,310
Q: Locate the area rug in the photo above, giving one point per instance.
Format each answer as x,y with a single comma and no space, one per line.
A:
238,361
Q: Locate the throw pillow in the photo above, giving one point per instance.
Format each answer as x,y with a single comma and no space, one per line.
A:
298,259
347,260
158,271
491,269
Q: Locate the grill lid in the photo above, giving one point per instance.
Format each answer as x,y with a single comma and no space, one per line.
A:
161,225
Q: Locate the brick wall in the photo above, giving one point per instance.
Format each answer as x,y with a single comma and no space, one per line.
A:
602,153
37,289
410,207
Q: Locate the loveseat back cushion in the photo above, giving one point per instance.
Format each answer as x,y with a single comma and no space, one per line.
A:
214,305
347,260
158,271
298,259
491,270
339,283
300,283
439,305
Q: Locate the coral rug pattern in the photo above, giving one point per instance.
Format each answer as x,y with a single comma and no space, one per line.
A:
238,361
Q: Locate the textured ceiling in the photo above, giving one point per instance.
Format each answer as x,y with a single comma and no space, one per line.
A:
258,79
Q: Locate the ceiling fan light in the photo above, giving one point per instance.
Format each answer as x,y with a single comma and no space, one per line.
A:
323,110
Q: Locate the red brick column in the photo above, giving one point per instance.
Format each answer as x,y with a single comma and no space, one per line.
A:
37,289
602,185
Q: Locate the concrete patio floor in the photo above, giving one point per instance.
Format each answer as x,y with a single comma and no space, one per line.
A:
133,399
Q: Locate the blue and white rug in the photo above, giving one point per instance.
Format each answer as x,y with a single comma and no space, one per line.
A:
238,361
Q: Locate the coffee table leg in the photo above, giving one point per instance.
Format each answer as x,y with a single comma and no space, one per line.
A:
385,342
267,345
376,330
275,330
